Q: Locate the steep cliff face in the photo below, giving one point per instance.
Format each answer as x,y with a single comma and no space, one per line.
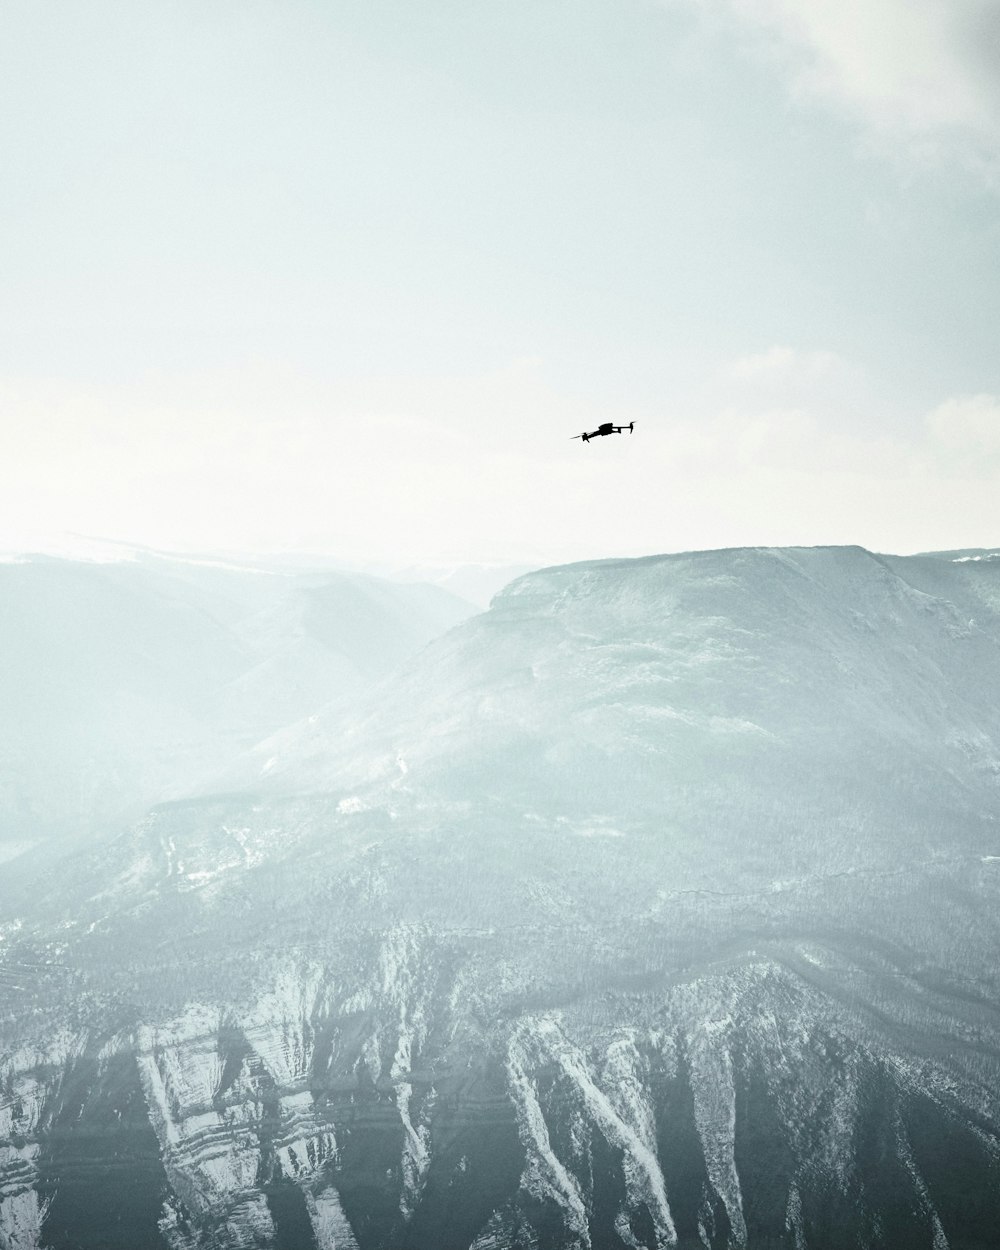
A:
656,907
738,1108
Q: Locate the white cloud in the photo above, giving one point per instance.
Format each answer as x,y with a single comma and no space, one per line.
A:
966,433
783,364
781,381
408,470
373,468
927,71
772,462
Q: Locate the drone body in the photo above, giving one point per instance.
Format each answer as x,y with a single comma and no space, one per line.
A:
607,428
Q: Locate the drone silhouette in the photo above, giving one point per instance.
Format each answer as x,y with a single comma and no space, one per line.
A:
606,428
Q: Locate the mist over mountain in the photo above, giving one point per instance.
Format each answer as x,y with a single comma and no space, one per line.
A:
656,906
125,682
477,583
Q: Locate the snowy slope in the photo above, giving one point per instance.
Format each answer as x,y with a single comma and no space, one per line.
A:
825,688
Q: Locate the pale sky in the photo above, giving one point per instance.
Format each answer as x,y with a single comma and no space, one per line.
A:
346,276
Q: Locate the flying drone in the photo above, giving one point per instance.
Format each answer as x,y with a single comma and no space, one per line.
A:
606,428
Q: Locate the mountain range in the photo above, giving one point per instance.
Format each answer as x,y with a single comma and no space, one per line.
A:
655,906
126,681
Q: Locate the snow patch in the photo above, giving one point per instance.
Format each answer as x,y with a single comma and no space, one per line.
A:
544,1175
715,1116
329,1223
21,1218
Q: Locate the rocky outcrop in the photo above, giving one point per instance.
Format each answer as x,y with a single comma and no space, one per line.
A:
738,1109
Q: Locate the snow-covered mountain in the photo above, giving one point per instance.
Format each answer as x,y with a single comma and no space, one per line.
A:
657,906
125,682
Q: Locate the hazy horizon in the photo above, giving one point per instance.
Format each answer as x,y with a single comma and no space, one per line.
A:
92,549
